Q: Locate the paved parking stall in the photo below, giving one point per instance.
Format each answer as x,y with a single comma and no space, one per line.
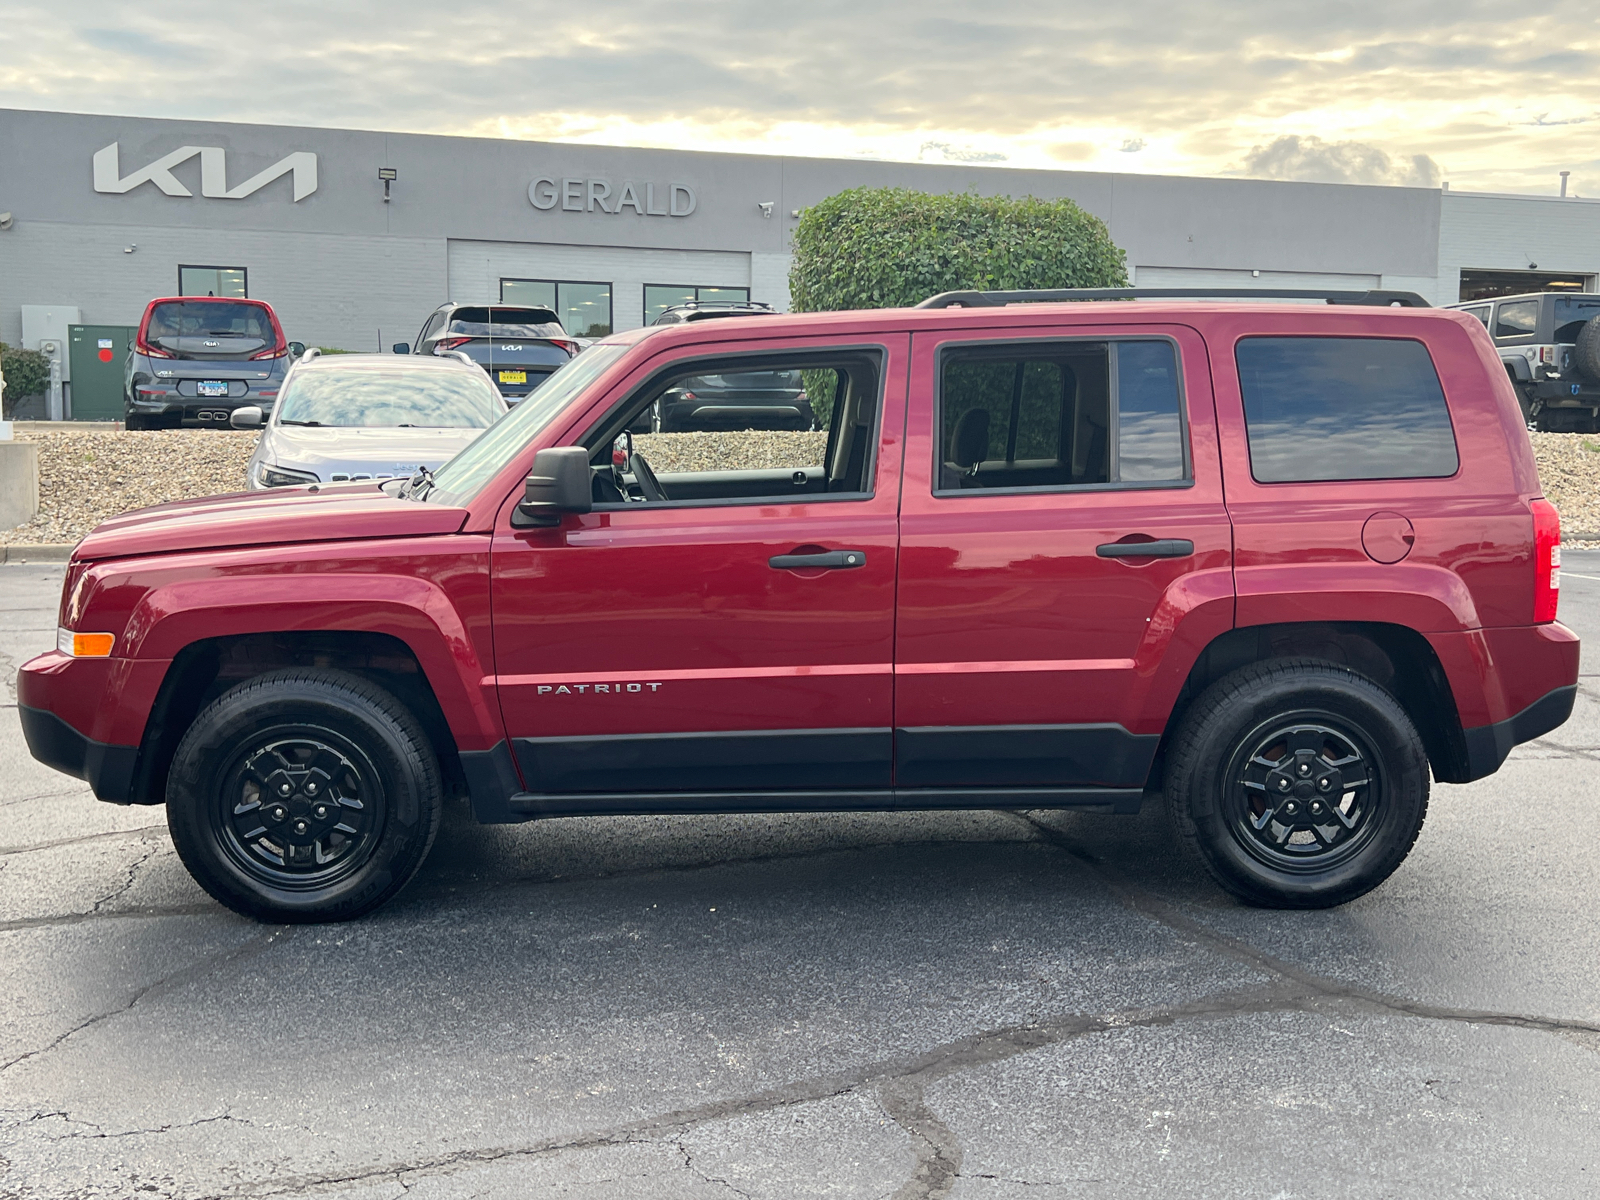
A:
991,1005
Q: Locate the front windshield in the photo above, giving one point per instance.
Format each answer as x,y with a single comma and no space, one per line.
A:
465,475
369,399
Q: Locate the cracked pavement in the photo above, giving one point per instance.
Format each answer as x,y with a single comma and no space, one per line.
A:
970,1005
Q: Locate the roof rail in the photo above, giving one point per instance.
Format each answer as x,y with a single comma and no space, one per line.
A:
462,355
311,352
1374,297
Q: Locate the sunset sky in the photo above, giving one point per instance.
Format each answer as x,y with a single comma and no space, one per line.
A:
1399,91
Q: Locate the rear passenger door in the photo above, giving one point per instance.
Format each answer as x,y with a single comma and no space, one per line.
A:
1065,554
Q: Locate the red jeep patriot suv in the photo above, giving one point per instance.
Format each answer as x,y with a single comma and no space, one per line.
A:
1275,562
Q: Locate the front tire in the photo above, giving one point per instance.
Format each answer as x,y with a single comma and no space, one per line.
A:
304,795
1297,783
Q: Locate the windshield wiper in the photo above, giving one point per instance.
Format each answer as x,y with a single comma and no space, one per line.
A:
418,485
287,421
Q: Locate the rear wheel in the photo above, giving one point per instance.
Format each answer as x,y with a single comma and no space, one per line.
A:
1298,784
304,795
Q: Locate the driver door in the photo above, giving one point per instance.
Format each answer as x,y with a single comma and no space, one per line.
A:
721,625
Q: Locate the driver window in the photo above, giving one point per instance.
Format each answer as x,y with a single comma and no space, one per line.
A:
742,430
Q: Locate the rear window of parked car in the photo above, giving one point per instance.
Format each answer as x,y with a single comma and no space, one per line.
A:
210,318
1041,415
1327,409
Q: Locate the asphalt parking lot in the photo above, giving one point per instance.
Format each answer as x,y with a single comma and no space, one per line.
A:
990,1005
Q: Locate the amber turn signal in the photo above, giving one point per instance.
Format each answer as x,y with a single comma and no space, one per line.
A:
85,645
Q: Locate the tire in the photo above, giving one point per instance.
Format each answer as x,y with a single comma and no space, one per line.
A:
134,421
1586,351
1525,403
1297,713
355,759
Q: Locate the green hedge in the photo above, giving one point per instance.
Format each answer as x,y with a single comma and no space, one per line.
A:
893,247
27,373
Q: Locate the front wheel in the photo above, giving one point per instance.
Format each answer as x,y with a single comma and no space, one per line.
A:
1299,784
304,795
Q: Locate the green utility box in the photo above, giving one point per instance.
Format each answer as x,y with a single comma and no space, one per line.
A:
98,359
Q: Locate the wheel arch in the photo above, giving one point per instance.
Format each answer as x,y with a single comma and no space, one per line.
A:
208,667
1394,657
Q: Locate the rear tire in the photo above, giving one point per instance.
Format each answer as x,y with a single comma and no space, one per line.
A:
304,795
1297,783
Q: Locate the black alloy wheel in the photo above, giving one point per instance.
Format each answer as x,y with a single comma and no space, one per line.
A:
1297,783
1302,795
304,795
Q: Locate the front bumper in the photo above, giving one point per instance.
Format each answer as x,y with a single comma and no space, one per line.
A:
108,769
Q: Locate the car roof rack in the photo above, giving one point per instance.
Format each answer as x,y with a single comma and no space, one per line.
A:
1374,297
696,311
311,352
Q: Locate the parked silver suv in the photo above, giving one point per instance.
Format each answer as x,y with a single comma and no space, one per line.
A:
1549,343
355,417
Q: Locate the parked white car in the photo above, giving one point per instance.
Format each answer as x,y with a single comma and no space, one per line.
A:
351,417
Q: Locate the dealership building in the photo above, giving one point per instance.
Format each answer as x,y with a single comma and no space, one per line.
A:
355,237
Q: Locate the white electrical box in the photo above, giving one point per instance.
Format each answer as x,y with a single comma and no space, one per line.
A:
49,323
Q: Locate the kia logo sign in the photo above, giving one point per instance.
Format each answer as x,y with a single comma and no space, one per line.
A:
108,175
587,195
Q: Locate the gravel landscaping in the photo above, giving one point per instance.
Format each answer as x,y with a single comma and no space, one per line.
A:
85,477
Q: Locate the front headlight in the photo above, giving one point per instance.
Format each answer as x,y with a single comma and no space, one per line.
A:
270,476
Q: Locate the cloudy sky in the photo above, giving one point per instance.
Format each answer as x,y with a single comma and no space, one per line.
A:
1486,96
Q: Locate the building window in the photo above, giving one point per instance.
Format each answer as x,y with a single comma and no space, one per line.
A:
213,281
584,308
658,297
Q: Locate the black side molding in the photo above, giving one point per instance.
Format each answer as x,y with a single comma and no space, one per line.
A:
577,804
107,768
1488,745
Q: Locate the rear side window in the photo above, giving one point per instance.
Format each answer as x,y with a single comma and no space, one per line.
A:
1325,409
1516,320
1482,313
1060,414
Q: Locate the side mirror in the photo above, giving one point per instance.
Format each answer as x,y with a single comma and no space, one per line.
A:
559,483
402,347
296,349
245,417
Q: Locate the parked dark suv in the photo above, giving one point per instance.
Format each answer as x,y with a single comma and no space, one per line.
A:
736,400
519,346
197,358
1550,345
1281,567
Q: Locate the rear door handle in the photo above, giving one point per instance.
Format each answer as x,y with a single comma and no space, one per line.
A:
832,560
1161,548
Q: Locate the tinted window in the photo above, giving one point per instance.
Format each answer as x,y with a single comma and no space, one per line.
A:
389,399
1573,313
1481,313
1344,408
1043,415
1516,320
210,318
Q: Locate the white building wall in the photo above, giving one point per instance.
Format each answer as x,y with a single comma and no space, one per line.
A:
476,269
1206,277
769,279
337,290
1508,233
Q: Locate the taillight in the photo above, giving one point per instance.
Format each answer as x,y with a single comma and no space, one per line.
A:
152,351
569,347
1546,561
276,352
449,344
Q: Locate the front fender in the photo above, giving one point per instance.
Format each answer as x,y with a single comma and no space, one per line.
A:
416,611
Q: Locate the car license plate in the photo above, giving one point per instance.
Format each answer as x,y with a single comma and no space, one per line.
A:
212,387
513,377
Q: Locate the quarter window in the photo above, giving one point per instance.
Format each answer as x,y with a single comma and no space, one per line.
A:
1481,312
1060,414
584,308
1516,320
1344,409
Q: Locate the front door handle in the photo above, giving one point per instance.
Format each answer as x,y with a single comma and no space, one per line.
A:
1161,548
831,560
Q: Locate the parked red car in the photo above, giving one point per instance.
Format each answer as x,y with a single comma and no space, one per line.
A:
1275,562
